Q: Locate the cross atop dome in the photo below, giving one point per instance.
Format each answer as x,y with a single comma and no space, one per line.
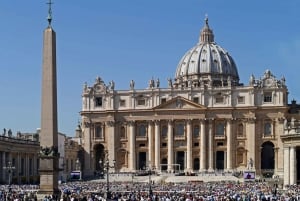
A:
206,35
206,19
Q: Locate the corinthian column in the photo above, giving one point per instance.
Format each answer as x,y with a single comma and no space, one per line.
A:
189,146
202,147
286,166
132,159
170,146
210,147
157,145
229,145
150,143
292,166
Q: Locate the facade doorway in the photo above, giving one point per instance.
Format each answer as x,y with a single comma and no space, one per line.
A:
267,159
180,161
267,156
142,161
196,165
220,160
99,156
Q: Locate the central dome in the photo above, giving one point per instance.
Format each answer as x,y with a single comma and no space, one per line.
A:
206,64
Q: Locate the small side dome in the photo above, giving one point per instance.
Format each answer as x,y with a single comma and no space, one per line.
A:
207,64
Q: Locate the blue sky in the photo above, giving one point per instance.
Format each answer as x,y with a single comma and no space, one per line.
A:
134,39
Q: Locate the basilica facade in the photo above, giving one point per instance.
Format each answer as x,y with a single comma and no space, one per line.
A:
205,120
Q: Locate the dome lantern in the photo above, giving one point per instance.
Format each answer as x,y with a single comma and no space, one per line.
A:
206,35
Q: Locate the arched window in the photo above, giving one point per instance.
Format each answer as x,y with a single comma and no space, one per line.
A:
220,129
123,133
267,129
240,130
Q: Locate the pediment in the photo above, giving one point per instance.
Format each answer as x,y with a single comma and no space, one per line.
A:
178,103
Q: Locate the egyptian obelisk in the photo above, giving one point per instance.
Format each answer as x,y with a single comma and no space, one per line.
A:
48,158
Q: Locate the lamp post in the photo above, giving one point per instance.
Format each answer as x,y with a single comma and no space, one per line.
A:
9,169
106,167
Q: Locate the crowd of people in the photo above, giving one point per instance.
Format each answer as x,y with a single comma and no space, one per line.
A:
188,191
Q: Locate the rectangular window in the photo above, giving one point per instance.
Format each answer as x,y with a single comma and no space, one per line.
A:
220,144
98,102
98,131
141,102
164,131
122,103
196,131
241,99
219,99
220,129
163,100
196,100
141,130
180,129
267,97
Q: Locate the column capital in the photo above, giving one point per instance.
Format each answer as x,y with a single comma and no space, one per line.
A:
131,123
157,122
110,123
150,122
88,124
189,121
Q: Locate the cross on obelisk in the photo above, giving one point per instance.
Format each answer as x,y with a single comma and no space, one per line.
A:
49,155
